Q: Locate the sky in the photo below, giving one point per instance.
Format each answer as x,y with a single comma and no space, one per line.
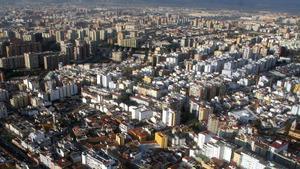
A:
292,6
273,5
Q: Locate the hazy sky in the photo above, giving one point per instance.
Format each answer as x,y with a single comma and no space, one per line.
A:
284,5
275,5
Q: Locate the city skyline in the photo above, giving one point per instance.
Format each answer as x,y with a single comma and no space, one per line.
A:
136,84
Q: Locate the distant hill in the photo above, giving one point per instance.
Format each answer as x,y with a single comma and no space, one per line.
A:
273,5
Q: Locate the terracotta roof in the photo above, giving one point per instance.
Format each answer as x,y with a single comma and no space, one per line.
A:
278,144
